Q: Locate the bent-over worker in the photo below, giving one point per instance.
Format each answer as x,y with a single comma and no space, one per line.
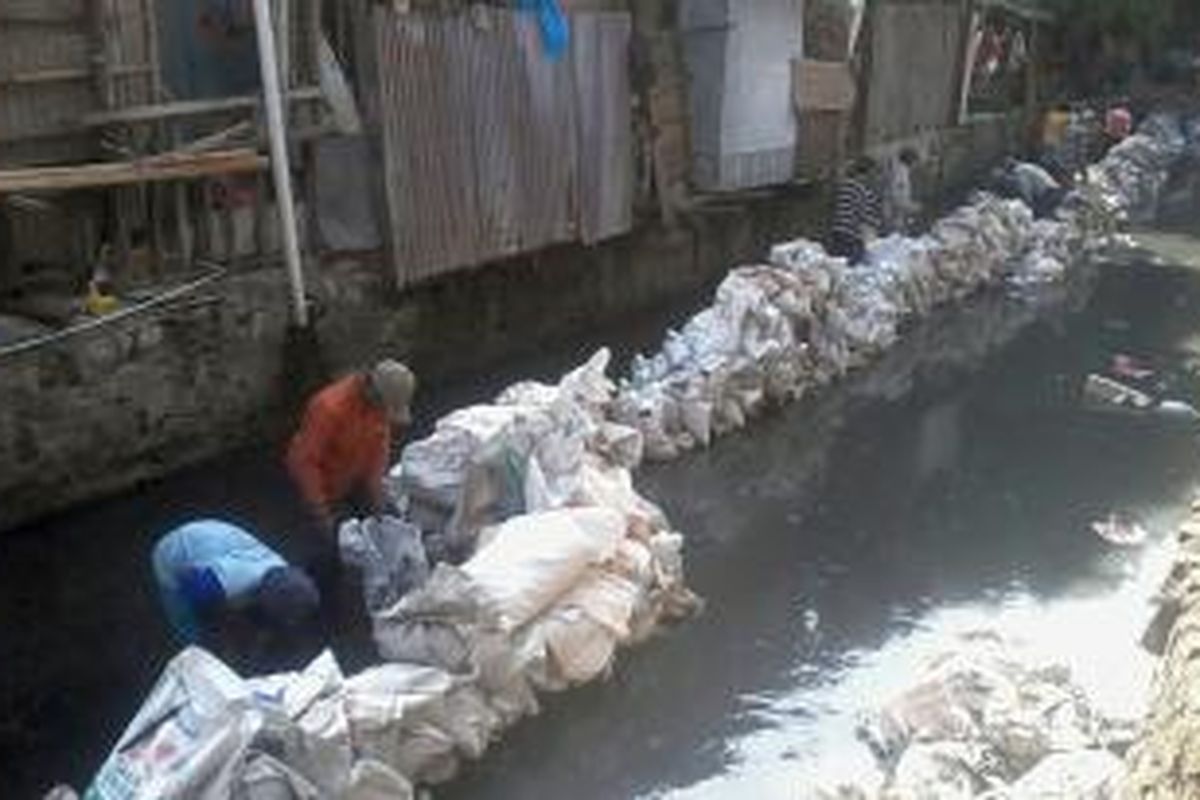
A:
340,454
224,589
1032,184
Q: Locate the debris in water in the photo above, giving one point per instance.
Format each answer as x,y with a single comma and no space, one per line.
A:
1178,409
1102,391
1120,529
1129,368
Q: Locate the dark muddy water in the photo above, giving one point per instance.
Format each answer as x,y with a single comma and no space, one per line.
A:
840,544
836,542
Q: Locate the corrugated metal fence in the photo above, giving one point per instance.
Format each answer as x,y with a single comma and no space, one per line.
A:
492,149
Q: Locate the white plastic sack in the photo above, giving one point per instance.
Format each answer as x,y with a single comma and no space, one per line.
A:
319,749
447,624
387,706
533,559
371,780
264,777
416,720
1083,775
621,445
612,487
389,554
187,740
578,649
606,598
433,469
942,771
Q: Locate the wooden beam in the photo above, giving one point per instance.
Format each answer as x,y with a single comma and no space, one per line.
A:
68,74
190,108
17,18
125,173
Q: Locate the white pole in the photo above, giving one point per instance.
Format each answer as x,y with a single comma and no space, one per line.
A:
273,102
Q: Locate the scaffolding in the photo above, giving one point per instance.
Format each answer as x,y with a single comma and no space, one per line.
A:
93,140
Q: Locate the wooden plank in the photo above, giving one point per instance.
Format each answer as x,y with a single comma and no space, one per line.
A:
822,85
190,108
125,173
17,18
68,74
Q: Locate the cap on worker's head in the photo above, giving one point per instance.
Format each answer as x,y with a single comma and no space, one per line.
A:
395,386
287,599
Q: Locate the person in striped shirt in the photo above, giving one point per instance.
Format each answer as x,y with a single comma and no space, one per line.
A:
857,212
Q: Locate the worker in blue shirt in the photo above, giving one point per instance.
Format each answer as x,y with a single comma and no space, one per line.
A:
224,589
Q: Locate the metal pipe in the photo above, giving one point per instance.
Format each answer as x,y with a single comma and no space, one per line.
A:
273,102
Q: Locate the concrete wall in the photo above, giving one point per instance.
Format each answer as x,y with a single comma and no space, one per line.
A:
135,399
145,395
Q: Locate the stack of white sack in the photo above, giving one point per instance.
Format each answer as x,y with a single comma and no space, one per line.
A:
542,606
806,318
204,732
1052,246
774,331
988,718
567,563
522,453
749,348
564,562
1130,178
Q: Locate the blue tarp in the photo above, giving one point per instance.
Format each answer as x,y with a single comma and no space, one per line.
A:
552,23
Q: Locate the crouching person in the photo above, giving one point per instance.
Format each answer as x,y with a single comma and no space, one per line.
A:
223,589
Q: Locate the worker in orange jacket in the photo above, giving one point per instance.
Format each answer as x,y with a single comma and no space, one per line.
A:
342,448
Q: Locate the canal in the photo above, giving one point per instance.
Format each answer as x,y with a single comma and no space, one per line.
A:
837,542
841,543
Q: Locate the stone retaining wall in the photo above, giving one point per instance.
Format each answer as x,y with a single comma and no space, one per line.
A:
1165,762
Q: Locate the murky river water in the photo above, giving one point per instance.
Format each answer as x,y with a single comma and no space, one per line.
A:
837,543
840,545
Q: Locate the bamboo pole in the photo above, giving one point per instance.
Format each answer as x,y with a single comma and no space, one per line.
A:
162,135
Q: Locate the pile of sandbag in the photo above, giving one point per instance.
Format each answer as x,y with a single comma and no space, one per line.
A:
726,363
524,452
557,562
988,719
1130,178
776,330
805,318
206,732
